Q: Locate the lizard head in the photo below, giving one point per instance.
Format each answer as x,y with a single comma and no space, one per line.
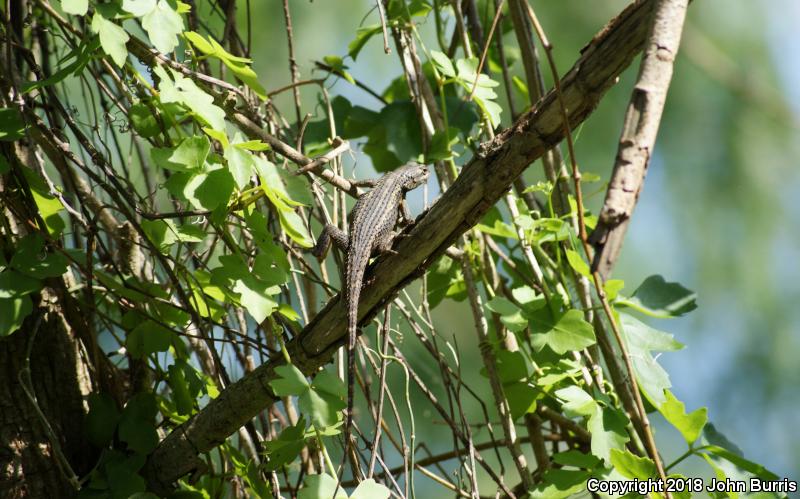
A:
413,175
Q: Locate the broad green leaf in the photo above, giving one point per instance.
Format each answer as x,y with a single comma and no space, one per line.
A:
210,189
576,401
363,34
284,449
138,7
612,287
102,419
577,263
521,398
184,401
608,428
12,312
252,145
511,366
527,297
631,466
75,7
112,38
510,314
570,333
441,146
290,381
720,474
443,64
143,121
256,297
191,152
402,136
641,340
184,91
322,407
560,484
576,459
240,162
659,298
320,487
147,338
32,259
163,25
14,284
137,425
11,125
370,489
328,382
294,227
690,425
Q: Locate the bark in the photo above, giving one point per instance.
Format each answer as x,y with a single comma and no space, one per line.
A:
482,182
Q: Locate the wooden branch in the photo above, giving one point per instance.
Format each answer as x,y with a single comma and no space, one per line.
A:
482,182
638,133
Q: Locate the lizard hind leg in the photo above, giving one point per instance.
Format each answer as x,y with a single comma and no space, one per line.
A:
384,244
330,234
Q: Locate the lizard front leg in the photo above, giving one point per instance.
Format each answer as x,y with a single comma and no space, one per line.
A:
330,234
384,243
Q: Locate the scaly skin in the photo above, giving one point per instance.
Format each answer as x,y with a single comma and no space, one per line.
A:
372,221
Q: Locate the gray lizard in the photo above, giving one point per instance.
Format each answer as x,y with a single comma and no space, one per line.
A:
371,230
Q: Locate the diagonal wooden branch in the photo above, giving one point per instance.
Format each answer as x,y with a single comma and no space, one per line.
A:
638,133
482,182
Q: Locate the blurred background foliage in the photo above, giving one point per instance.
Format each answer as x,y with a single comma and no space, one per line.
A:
718,212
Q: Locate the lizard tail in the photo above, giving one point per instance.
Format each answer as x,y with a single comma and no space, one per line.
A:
356,265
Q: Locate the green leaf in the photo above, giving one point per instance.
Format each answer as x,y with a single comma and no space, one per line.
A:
443,64
163,25
14,284
576,459
32,259
185,91
210,189
293,225
577,263
329,383
570,333
12,312
147,338
322,407
137,425
191,152
112,38
240,162
608,429
143,121
690,425
631,466
184,401
510,314
320,487
284,449
722,448
75,7
291,381
237,65
370,489
659,298
560,484
641,340
521,398
11,125
576,401
101,422
363,34
138,7
612,287
441,146
511,366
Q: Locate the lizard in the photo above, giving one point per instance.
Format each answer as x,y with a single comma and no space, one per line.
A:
371,230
